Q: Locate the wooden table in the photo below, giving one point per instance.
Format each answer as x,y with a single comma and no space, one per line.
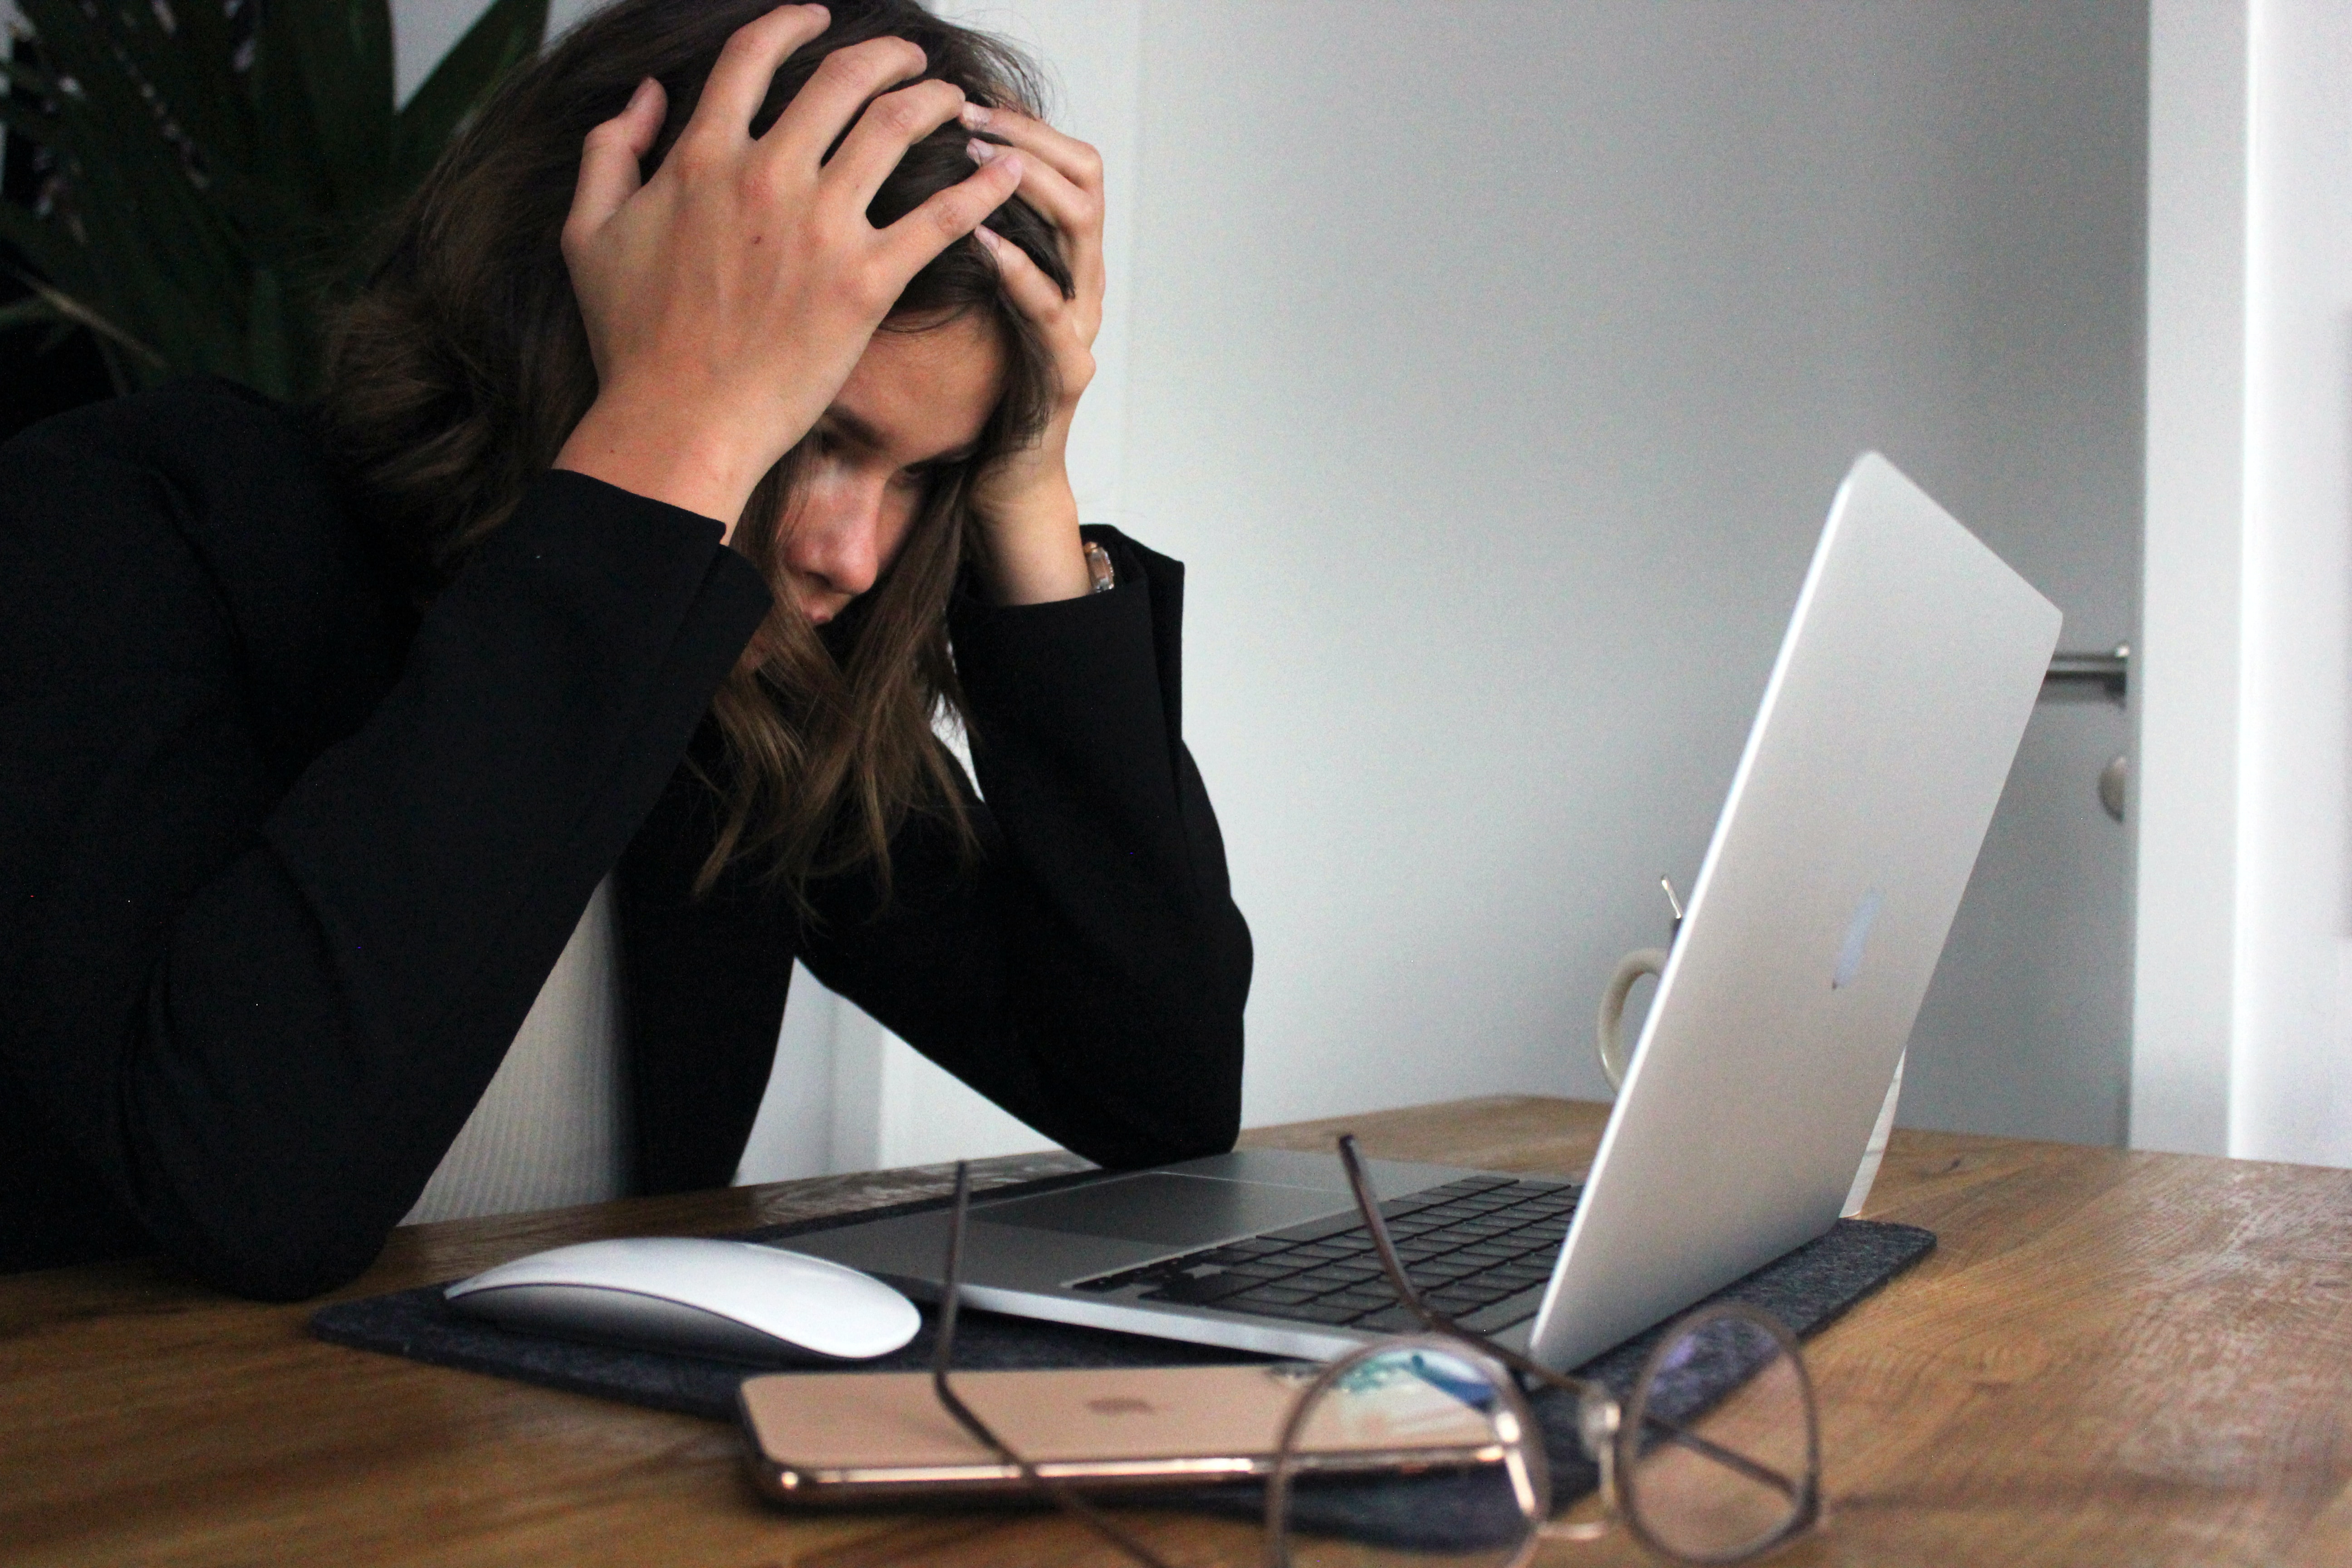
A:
2112,1358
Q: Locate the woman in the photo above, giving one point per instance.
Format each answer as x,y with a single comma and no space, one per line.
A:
688,422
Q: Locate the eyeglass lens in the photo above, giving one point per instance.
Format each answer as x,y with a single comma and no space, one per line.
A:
1419,1452
1718,1452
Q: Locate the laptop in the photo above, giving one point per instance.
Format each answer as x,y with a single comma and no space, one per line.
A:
1886,730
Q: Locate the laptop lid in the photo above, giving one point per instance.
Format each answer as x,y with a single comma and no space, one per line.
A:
1893,712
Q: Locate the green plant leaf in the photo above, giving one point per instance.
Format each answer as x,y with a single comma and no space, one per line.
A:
188,63
215,211
288,152
48,251
131,189
505,36
271,359
20,116
21,77
25,312
155,243
65,307
342,54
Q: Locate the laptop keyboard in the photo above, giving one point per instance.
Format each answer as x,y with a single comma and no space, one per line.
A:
1473,1247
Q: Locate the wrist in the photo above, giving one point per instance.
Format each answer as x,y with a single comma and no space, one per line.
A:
663,456
1031,554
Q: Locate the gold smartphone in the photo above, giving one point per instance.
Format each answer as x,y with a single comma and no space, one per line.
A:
866,1438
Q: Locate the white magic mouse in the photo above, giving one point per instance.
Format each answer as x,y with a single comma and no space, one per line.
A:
734,1300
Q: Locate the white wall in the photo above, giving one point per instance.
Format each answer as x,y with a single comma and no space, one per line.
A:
2244,1036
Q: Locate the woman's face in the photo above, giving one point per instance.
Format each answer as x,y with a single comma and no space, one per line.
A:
916,403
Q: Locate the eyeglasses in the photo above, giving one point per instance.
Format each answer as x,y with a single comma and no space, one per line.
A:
1714,1458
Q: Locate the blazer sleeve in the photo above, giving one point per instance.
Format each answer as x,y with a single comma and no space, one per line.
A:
1088,973
261,1014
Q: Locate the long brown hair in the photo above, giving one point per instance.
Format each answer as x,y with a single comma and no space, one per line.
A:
457,374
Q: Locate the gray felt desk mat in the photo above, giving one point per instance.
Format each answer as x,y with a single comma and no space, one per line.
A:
1807,1290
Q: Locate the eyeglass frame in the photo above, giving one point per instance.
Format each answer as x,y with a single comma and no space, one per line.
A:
1602,1428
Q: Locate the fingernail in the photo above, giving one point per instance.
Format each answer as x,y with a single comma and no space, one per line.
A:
644,89
1012,163
975,115
981,152
987,236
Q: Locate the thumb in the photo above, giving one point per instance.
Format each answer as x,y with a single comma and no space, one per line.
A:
609,161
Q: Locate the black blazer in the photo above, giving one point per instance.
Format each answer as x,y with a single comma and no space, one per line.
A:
283,864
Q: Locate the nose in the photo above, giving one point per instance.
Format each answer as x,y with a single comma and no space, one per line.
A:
835,542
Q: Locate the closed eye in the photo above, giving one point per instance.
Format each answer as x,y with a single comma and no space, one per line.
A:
923,473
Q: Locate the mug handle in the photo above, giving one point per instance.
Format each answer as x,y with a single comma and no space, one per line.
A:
1608,1028
1609,1039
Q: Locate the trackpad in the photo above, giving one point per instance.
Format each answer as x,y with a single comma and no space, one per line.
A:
1176,1211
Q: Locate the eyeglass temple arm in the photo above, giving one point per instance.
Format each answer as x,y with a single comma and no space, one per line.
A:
1367,1205
943,1358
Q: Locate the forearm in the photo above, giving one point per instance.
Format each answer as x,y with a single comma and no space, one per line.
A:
1031,550
1091,977
262,1011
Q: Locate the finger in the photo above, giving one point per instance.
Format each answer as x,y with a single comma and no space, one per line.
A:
610,158
909,245
1060,203
843,84
1075,214
738,84
1074,160
890,124
1035,295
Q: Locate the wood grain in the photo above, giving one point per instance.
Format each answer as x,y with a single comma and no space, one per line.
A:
2111,1358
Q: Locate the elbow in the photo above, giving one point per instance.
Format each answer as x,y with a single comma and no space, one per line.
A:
241,1242
1190,1113
276,1273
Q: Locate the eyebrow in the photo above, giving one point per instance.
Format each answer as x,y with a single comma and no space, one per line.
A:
864,434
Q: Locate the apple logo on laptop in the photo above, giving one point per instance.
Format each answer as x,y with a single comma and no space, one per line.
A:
1857,932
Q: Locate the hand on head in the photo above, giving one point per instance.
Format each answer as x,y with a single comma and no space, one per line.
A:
1024,501
729,298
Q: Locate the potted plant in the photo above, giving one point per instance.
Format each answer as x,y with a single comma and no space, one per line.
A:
209,170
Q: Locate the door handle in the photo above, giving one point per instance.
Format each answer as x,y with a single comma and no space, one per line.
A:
2111,671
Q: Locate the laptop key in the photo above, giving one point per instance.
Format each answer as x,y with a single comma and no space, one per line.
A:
1316,1229
1392,1319
1317,1312
1199,1290
1512,1309
1269,1296
1361,1301
1336,1277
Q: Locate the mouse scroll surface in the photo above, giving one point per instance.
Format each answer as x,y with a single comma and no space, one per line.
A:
734,1300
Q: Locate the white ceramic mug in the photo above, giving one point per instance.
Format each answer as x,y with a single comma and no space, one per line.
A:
1609,1029
1609,1041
